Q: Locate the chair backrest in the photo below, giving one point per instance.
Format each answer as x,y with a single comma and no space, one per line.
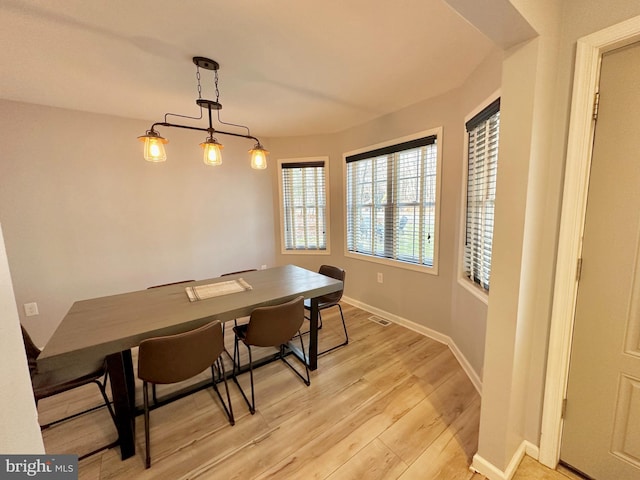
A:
33,352
239,271
333,272
178,357
172,283
272,326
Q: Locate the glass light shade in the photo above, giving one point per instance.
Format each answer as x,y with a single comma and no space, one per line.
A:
258,157
154,147
212,152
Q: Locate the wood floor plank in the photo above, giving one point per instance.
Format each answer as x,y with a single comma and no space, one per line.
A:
448,457
413,433
90,468
331,448
373,462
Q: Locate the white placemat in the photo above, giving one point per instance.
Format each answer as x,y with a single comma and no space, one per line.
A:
202,292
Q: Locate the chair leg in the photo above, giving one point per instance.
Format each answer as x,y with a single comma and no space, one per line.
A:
235,324
102,386
107,402
307,380
236,354
252,407
346,335
221,372
145,394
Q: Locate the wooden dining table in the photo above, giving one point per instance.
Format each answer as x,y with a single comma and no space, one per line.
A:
110,326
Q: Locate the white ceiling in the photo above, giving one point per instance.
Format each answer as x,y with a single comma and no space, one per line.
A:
288,67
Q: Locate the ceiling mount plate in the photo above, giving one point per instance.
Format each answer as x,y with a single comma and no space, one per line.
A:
206,63
210,104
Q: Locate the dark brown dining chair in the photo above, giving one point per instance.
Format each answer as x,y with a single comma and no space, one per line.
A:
235,320
174,358
153,387
330,300
172,283
239,271
272,326
48,384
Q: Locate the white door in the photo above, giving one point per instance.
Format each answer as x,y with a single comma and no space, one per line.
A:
601,434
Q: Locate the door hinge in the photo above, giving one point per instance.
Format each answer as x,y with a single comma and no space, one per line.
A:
579,269
564,408
596,105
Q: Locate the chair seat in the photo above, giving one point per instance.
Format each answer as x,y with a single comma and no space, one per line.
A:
51,383
321,304
241,331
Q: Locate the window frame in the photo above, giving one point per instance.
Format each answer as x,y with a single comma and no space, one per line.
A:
315,251
472,287
432,270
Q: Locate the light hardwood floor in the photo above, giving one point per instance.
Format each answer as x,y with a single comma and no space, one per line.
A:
391,405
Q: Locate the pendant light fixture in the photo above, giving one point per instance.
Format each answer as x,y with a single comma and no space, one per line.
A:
154,143
212,151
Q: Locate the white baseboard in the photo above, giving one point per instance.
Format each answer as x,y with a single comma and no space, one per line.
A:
427,332
532,450
486,468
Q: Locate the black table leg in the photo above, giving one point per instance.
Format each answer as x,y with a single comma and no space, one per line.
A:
120,367
313,335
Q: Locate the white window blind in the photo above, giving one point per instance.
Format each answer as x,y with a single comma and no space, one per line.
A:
483,135
304,205
391,201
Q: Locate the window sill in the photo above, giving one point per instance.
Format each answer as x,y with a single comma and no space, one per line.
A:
306,252
394,263
474,289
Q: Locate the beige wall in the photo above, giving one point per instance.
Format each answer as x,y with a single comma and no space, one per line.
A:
84,215
20,432
435,302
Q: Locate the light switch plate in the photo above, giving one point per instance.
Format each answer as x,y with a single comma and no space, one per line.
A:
31,309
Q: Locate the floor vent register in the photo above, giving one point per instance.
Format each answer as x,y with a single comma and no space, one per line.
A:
380,321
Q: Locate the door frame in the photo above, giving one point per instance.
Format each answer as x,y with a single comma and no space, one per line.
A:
577,169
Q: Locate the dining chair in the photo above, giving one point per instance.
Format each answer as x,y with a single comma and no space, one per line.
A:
172,283
330,300
48,384
153,387
235,320
239,271
179,357
272,326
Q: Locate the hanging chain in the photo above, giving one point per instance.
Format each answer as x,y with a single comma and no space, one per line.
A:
215,72
198,77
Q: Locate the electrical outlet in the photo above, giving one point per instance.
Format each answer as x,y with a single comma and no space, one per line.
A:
263,267
380,279
31,309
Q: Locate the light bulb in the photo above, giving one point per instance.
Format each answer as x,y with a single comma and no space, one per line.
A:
258,157
154,147
212,152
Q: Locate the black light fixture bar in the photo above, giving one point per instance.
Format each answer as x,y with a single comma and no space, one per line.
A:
201,129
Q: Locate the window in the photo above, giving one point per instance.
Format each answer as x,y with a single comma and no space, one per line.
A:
392,201
303,200
482,166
